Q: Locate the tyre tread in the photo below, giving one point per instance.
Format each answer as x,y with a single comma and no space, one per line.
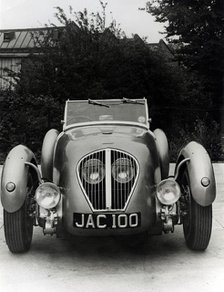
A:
197,237
202,229
15,234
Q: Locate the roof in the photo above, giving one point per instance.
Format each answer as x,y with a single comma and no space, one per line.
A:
23,40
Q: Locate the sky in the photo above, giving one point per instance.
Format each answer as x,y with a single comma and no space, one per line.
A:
37,13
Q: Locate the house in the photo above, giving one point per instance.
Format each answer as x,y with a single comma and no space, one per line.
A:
17,44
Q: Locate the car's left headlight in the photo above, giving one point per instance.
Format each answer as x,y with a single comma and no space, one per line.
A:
168,192
123,170
47,195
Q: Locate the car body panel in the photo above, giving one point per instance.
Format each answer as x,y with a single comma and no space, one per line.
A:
163,152
199,166
16,171
75,143
47,153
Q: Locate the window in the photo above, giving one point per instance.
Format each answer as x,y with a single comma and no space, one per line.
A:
8,36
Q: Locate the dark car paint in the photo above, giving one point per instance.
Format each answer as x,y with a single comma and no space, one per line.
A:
75,143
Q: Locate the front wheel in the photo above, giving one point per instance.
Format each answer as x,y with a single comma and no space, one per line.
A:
18,228
197,222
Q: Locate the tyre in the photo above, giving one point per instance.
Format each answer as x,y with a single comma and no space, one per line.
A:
18,226
197,222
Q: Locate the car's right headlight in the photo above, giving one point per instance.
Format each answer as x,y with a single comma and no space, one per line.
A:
168,192
47,195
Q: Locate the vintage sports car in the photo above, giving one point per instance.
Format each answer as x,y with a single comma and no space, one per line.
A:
107,174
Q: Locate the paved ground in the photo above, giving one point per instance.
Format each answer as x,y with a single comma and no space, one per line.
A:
163,264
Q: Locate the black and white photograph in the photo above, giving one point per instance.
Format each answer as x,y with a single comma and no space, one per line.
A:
111,145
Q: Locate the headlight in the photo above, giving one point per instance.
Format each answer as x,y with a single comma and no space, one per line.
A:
93,171
123,170
47,195
168,192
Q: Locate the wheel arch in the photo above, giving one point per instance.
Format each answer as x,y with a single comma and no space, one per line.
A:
47,154
163,152
199,166
16,171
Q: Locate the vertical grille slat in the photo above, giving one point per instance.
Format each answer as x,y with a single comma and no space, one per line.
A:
114,195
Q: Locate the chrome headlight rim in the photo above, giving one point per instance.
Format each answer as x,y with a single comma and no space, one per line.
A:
168,192
48,195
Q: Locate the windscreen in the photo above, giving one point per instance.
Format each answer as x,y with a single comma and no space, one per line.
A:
106,110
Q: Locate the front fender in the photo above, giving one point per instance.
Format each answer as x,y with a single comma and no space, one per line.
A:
199,166
47,154
163,152
15,171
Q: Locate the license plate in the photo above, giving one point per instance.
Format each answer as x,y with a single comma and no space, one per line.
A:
106,221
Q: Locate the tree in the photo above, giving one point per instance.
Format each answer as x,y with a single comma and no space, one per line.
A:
197,30
25,119
89,60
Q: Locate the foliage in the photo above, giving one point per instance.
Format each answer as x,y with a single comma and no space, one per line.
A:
86,59
25,119
197,29
205,131
91,61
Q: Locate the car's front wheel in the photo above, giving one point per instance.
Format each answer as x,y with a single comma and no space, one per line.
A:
197,222
18,226
18,230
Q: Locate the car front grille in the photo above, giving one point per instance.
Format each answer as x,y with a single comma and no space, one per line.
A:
107,178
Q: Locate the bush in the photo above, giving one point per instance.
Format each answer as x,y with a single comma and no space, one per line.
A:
205,132
25,120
